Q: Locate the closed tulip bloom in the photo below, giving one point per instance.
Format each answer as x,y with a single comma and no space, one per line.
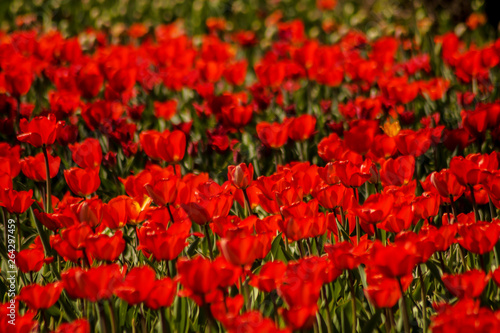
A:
397,171
467,285
242,249
104,247
384,294
89,80
446,184
468,172
269,277
39,297
163,244
163,191
272,135
165,110
137,285
39,131
414,143
241,176
87,154
77,235
82,182
162,295
480,237
393,261
237,116
172,147
352,175
302,127
31,260
376,208
97,283
426,205
34,167
16,202
200,279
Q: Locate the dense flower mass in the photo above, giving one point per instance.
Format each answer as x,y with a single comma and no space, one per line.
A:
273,169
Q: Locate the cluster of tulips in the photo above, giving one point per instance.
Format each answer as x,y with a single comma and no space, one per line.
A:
173,183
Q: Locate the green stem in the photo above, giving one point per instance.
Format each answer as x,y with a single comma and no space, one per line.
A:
422,295
163,321
329,319
402,308
247,203
102,315
48,207
111,309
209,241
353,299
474,204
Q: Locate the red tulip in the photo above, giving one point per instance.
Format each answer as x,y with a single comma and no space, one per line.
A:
352,175
480,237
235,73
165,110
269,277
104,247
426,205
376,208
89,80
77,235
397,171
200,279
137,285
302,127
39,131
414,143
87,154
95,284
393,261
31,260
77,326
272,135
241,249
171,147
16,202
446,184
39,297
163,191
82,182
162,295
241,176
467,285
34,167
163,244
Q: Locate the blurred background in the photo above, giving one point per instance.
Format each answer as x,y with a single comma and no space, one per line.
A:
374,17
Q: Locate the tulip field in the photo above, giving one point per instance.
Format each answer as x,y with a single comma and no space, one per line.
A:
230,166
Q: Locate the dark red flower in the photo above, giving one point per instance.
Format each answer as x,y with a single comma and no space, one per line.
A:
467,285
